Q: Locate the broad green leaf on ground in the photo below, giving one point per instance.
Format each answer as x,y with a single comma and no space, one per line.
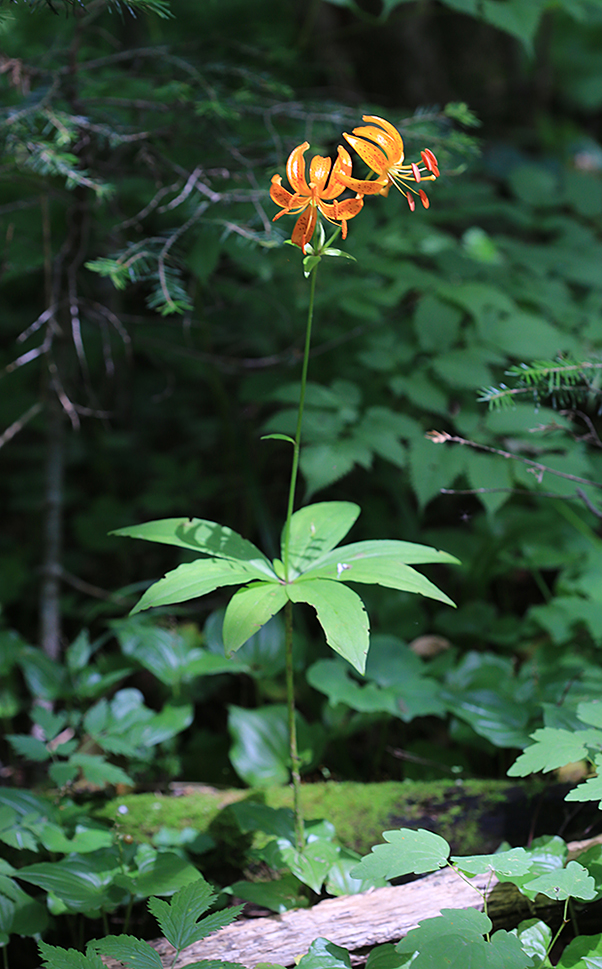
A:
160,872
316,529
406,852
87,837
500,719
310,866
260,751
553,748
252,816
280,895
516,861
574,881
132,952
584,952
455,940
27,916
340,880
323,954
200,535
248,610
386,957
195,579
53,957
83,883
179,920
333,678
535,937
341,614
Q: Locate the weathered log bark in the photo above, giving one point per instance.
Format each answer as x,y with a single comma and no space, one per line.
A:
359,922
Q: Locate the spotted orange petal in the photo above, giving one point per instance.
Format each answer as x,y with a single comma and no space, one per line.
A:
295,169
319,170
373,156
304,226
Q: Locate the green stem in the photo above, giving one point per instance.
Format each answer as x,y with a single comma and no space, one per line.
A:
292,728
290,687
297,445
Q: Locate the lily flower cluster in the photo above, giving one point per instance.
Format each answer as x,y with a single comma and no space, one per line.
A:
380,146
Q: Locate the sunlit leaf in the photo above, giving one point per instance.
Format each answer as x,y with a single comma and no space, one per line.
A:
406,852
341,614
316,529
248,610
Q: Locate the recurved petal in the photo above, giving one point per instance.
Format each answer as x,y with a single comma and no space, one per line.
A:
393,148
319,170
391,131
278,194
365,186
304,226
295,169
342,166
373,156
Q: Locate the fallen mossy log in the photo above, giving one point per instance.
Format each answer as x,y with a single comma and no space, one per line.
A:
359,922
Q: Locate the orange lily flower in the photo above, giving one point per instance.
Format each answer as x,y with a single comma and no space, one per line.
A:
310,198
385,157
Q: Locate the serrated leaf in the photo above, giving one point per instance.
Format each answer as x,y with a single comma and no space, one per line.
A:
468,924
56,958
574,881
179,919
316,529
132,952
342,615
96,770
195,579
29,747
406,852
248,610
203,536
516,861
552,749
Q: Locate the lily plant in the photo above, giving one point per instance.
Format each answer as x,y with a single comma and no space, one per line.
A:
313,568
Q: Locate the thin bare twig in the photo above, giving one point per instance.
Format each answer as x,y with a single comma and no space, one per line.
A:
442,437
19,424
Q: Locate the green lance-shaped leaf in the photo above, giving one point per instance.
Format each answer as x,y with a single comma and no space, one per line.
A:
195,579
323,954
341,614
248,610
205,537
383,563
316,529
406,852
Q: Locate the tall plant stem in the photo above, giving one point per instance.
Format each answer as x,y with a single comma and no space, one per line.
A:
292,728
288,609
297,442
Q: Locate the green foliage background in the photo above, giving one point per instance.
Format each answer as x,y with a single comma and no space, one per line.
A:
151,325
